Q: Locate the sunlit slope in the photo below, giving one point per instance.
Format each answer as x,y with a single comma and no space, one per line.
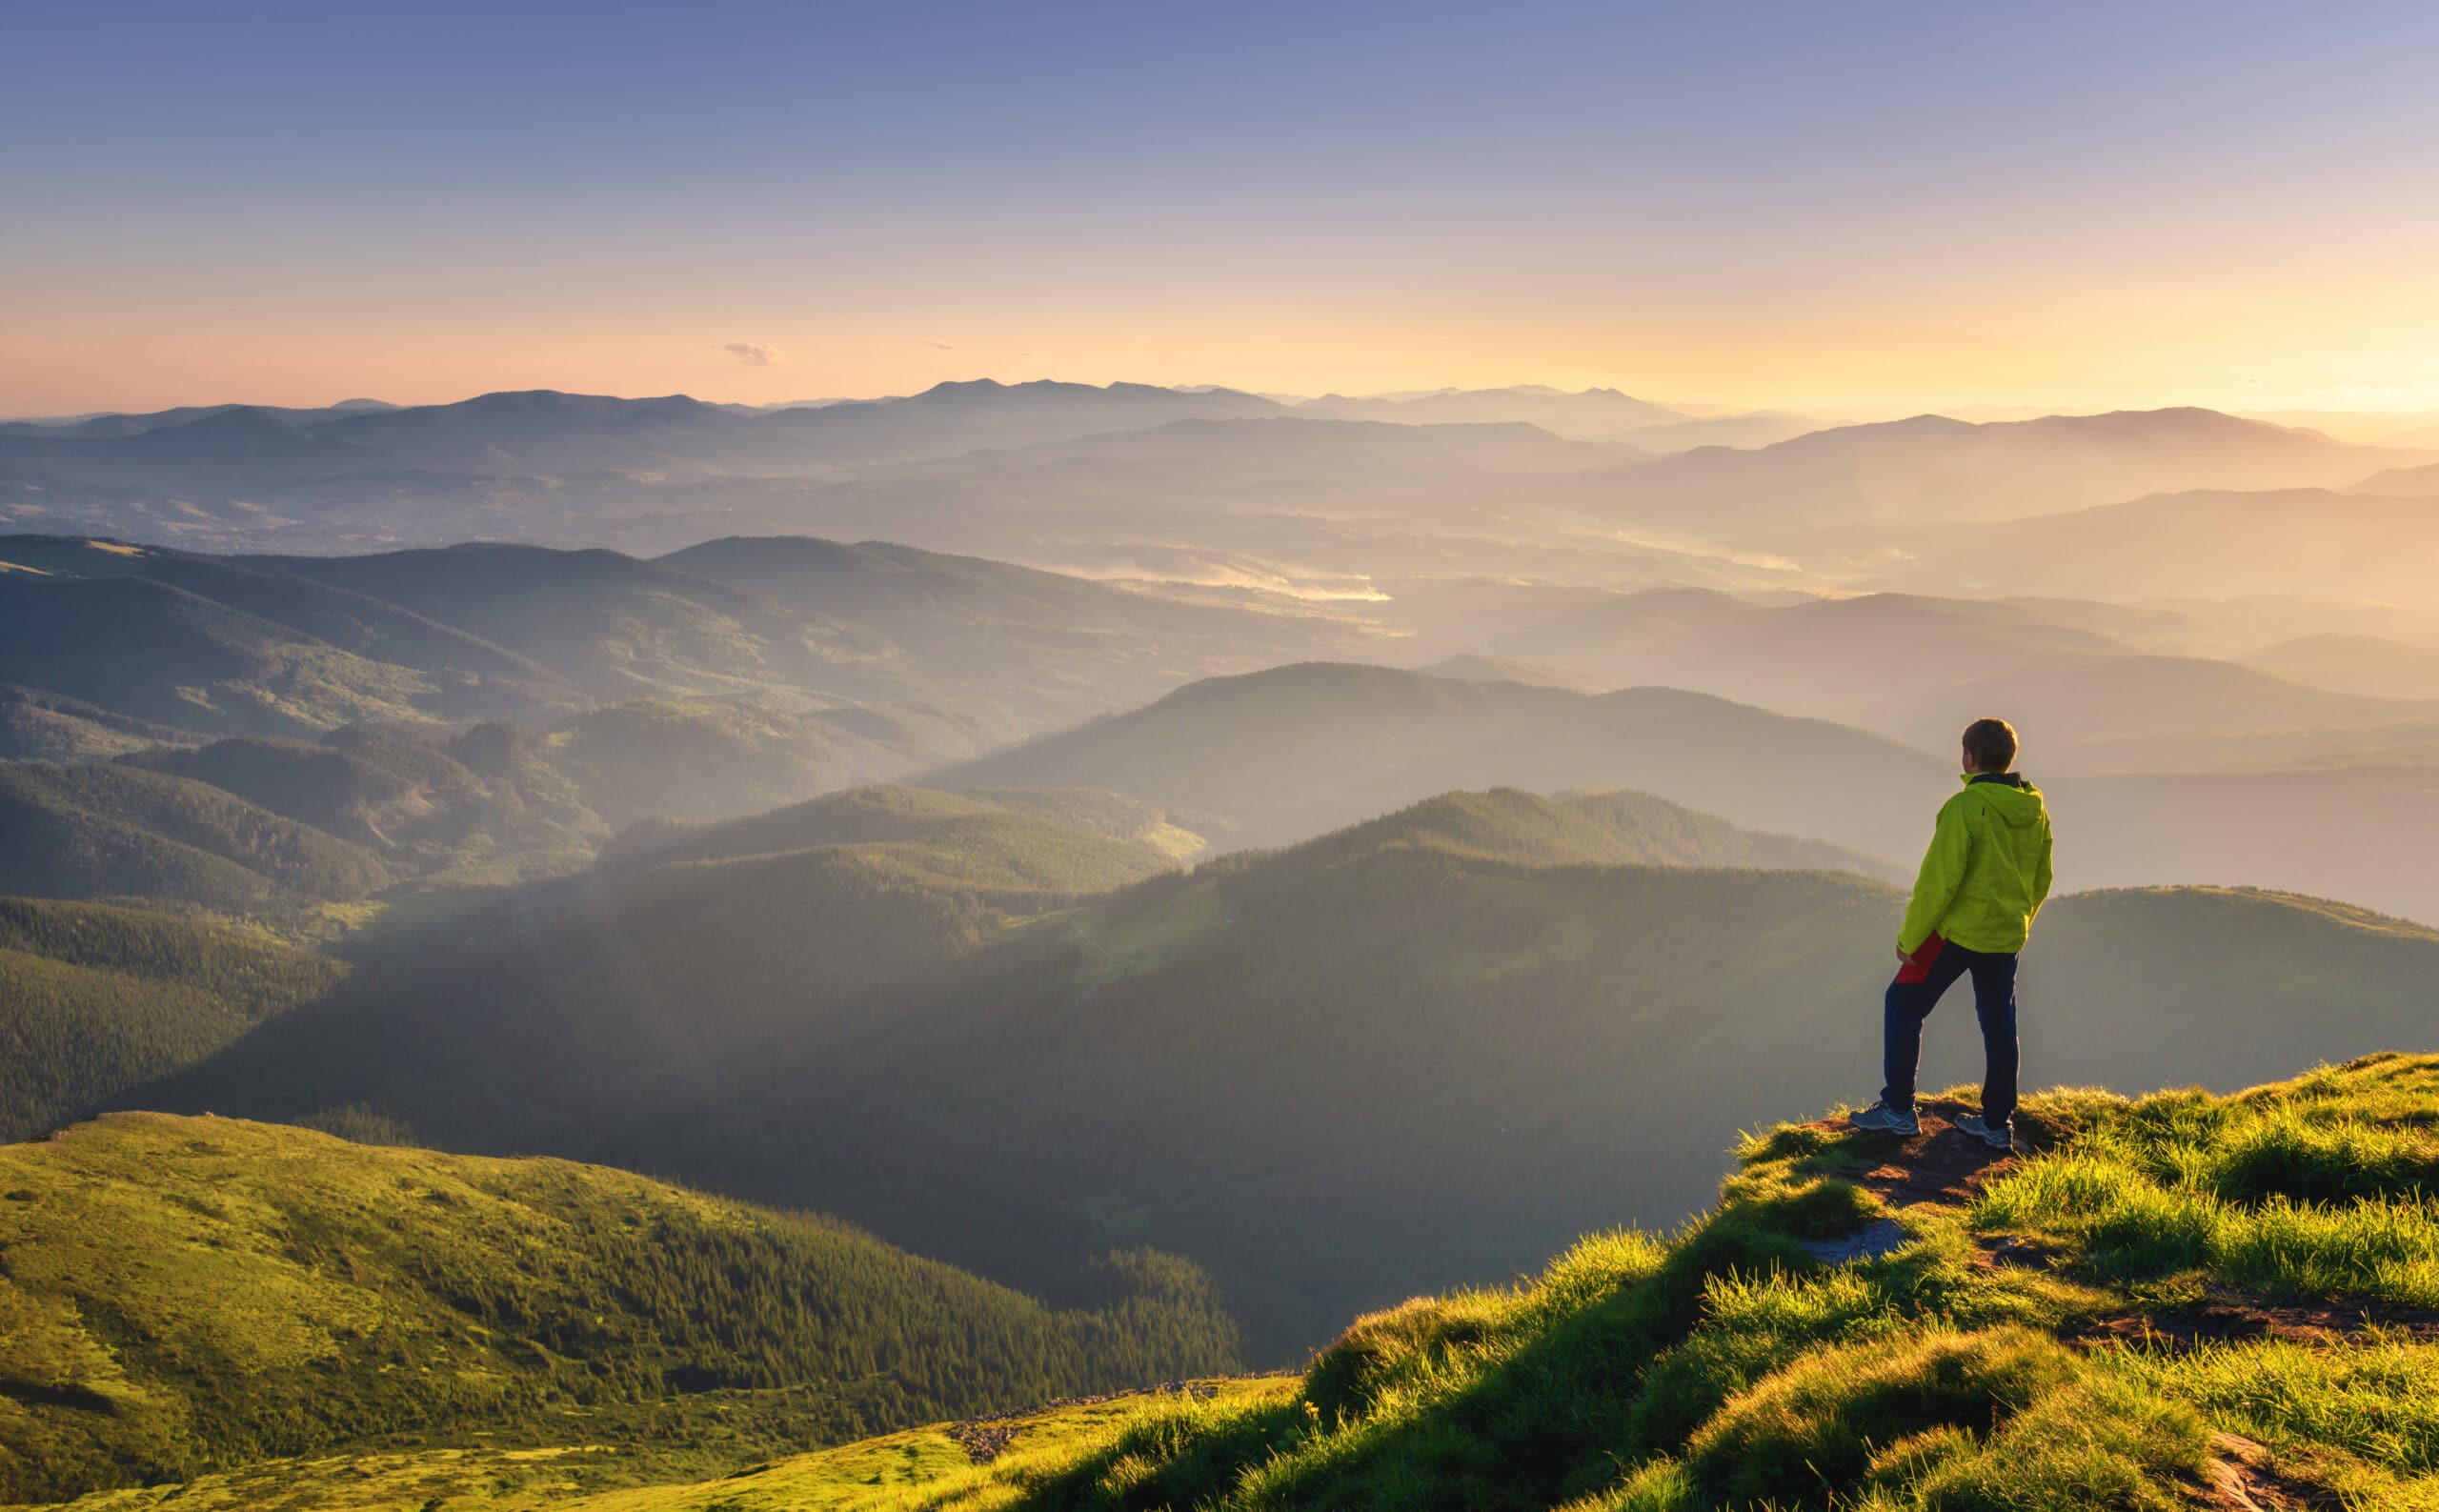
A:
1343,1077
98,831
1932,470
1427,1049
156,653
1298,751
576,1013
183,1294
39,726
425,800
95,1000
288,645
2177,1302
2359,664
459,675
2272,1257
2207,544
1607,829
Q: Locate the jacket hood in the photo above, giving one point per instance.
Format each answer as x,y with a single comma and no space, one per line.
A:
2008,797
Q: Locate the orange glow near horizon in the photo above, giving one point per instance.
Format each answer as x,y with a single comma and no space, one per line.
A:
2339,346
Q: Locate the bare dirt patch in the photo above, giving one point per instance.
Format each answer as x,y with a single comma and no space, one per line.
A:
1941,1165
987,1437
2225,1313
2244,1478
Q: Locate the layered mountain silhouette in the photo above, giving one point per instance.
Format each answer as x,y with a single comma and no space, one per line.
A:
1389,1058
1593,415
1935,470
2205,544
1291,752
886,658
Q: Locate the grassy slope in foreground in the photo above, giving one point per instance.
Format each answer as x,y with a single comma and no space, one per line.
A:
2180,1300
2042,1338
184,1294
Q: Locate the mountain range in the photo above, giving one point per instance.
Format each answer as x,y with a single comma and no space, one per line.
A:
1204,484
1384,1060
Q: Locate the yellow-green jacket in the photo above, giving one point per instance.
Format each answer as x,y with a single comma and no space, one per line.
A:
1987,871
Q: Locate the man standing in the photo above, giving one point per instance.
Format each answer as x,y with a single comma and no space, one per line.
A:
1983,879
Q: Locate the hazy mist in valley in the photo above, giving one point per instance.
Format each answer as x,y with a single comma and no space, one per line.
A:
1267,667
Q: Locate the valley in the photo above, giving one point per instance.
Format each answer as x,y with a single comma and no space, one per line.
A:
1238,865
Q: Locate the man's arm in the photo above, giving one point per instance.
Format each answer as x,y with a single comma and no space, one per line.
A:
1936,885
2041,874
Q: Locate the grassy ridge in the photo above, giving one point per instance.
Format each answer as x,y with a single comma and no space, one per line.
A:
1728,1366
1743,1363
1430,1048
95,1000
184,1294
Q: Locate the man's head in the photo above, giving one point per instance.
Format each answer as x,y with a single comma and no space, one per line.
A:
1990,746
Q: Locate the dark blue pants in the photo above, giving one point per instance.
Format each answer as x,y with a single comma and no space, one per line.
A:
1994,1003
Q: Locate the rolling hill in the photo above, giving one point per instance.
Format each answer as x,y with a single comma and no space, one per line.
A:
1292,752
2292,543
1339,1083
184,1294
2162,770
544,432
151,652
574,1008
1844,1331
1393,1058
1932,470
1858,661
427,799
38,726
285,645
2152,1309
105,831
1593,415
1855,1321
2369,666
95,1000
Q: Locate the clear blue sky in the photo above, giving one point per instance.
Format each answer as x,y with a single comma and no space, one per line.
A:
1806,204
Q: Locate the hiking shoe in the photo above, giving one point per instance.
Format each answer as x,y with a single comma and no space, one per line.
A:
1881,1118
2001,1138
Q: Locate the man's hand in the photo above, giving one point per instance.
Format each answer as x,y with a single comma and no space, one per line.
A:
1901,956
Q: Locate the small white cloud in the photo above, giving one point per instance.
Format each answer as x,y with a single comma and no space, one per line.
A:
939,345
753,353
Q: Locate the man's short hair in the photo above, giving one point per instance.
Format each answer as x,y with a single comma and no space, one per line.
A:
1991,743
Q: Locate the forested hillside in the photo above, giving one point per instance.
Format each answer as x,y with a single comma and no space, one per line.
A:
611,1000
1296,751
91,830
2161,1305
184,1294
1387,1060
97,1000
291,645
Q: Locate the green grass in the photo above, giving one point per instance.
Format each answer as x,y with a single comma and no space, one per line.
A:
1720,1368
1723,1368
187,1294
2326,1187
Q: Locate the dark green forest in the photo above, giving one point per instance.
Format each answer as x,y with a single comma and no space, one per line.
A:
96,1000
185,1293
1382,1061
